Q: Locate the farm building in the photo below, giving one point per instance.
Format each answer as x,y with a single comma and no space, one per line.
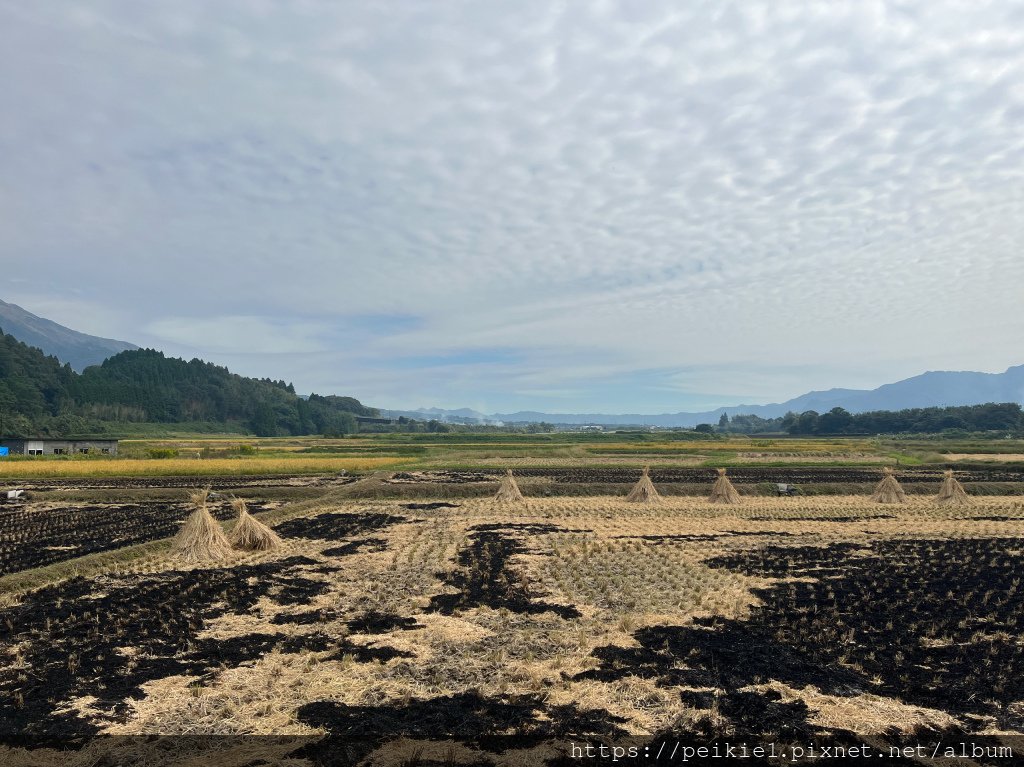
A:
47,446
367,420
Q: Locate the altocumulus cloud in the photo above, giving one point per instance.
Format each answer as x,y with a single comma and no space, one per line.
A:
584,205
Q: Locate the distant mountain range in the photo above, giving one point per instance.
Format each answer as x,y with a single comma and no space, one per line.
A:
76,349
932,389
461,415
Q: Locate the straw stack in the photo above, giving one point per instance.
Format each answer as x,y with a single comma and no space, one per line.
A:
644,490
889,490
952,493
249,534
508,490
723,491
201,538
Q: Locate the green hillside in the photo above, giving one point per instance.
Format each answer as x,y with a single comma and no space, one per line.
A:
39,395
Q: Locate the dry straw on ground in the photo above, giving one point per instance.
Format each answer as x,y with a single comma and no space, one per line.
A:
508,490
723,491
889,490
644,490
952,493
625,566
249,534
201,538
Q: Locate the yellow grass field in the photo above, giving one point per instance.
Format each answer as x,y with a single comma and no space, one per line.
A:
141,467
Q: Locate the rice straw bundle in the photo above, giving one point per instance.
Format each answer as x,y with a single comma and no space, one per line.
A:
889,490
723,491
952,493
201,538
644,490
508,490
249,534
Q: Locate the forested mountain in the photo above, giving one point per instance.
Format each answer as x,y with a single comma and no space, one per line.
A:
77,349
39,395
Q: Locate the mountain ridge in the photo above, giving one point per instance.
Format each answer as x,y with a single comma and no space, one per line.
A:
934,388
80,350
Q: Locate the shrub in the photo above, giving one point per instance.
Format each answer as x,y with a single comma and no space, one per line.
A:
161,452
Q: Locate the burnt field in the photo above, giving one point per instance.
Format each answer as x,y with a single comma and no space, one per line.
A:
757,474
228,482
480,633
38,534
684,481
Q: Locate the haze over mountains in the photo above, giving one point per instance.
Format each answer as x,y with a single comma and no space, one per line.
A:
931,389
77,349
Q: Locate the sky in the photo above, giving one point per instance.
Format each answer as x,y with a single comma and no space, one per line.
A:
565,206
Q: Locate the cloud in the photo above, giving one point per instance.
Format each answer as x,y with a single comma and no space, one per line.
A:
239,335
627,204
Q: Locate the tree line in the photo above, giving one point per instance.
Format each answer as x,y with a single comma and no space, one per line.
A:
40,396
1001,417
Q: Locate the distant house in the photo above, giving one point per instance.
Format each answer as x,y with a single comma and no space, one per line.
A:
46,446
365,419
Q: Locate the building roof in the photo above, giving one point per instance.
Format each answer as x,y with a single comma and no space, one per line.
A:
58,439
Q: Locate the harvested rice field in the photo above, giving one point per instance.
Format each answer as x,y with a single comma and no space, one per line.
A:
478,632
